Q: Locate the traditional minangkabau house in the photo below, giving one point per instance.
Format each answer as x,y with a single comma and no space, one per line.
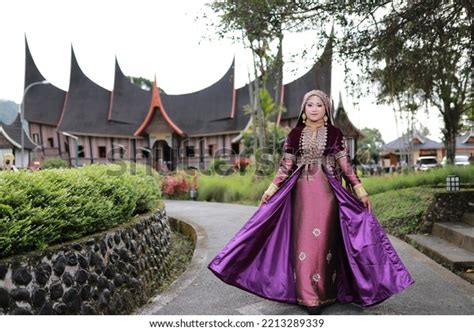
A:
89,124
350,131
10,144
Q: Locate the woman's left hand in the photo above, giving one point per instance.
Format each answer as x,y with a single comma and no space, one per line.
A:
365,200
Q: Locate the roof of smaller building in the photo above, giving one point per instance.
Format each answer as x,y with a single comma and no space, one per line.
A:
466,139
342,121
419,142
12,133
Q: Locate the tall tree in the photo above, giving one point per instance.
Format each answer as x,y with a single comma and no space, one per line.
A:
417,52
370,146
259,25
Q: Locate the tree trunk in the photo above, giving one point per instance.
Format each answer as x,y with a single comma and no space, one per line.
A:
451,118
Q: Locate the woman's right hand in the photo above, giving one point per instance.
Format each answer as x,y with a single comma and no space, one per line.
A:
265,198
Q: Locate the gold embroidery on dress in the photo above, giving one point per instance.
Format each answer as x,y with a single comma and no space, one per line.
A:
312,144
344,151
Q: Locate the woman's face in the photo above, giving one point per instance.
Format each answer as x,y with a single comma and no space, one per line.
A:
314,108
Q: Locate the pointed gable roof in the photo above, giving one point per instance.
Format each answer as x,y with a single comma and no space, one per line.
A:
342,121
43,103
318,77
12,132
206,111
87,105
129,102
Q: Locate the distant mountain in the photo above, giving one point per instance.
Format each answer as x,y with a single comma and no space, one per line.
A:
8,111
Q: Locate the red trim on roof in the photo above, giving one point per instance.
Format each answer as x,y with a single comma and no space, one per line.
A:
156,103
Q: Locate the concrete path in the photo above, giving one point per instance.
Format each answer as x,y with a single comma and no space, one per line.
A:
199,292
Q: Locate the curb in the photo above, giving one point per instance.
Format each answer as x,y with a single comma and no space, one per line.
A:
198,261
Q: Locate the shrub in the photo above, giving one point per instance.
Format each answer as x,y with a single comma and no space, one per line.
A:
400,211
55,162
56,205
178,185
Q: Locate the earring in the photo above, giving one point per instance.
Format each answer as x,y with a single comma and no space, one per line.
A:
304,117
325,120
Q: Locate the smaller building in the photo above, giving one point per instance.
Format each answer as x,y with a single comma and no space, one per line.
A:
408,148
465,144
10,144
350,131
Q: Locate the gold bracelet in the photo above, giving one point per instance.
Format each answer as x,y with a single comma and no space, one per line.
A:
271,189
360,191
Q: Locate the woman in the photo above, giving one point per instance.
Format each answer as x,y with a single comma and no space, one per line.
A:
311,241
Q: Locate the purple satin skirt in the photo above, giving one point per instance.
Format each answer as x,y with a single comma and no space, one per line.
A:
260,258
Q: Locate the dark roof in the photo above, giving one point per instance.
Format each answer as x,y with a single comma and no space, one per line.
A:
130,103
43,103
13,131
87,106
402,143
205,111
318,77
462,140
342,121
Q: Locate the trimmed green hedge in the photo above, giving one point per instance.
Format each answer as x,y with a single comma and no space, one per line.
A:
400,211
433,177
56,205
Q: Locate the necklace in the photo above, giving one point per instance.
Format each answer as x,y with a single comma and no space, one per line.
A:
317,124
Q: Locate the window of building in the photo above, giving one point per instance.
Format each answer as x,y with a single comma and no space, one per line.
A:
66,147
236,148
50,142
211,150
190,151
122,152
81,151
36,138
102,152
145,153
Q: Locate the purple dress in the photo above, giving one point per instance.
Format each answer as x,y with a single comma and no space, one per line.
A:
313,242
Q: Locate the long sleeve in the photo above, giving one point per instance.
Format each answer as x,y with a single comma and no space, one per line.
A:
342,157
287,164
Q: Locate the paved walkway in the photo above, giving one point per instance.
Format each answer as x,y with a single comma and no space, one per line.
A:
199,292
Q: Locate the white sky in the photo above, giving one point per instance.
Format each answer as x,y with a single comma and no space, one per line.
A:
148,38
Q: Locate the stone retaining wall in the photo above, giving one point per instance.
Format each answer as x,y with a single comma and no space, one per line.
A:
447,207
110,273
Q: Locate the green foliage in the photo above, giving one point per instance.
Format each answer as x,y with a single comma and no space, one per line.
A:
400,211
433,177
234,188
56,205
370,146
55,162
249,189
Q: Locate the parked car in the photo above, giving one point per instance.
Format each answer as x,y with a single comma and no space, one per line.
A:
460,160
424,163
